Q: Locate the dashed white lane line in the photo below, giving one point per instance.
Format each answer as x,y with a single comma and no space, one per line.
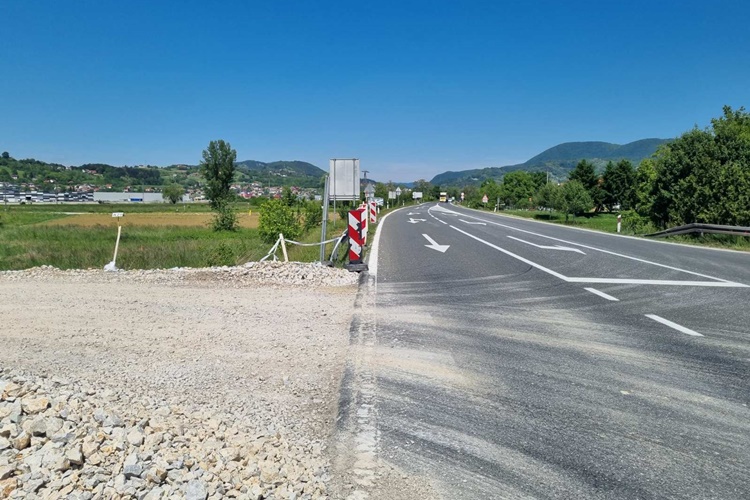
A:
679,328
602,294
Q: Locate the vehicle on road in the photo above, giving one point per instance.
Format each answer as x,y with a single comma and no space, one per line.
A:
443,197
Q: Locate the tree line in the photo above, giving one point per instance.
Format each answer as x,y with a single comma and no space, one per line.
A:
702,176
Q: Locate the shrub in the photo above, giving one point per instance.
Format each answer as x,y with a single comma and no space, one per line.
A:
275,217
225,218
313,215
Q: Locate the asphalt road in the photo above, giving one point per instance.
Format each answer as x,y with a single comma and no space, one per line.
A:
529,360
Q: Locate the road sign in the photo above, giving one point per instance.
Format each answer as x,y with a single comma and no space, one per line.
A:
370,191
118,214
485,199
398,191
462,197
391,195
416,195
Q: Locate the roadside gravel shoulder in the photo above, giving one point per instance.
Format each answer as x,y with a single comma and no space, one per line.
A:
197,383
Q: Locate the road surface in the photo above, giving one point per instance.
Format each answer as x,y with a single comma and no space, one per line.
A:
516,359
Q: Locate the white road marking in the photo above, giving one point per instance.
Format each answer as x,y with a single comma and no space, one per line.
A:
372,259
546,247
602,294
601,250
609,281
434,245
474,223
671,324
630,281
525,261
413,213
415,221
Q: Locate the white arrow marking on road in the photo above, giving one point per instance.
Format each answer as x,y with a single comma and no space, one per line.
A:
546,247
413,213
434,245
475,223
414,221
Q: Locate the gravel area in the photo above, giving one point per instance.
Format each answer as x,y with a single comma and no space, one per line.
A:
180,383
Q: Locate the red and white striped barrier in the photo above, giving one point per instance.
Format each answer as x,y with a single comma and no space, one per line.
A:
356,235
373,212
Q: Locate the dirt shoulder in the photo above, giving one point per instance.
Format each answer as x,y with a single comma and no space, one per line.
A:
260,350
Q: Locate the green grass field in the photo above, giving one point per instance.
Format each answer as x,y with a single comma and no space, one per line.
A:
27,241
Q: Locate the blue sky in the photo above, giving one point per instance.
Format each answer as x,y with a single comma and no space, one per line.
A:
411,88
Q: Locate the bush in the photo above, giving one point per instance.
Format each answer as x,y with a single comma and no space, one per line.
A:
275,217
222,255
225,218
313,215
637,224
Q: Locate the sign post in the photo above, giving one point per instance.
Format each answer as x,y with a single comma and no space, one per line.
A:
619,222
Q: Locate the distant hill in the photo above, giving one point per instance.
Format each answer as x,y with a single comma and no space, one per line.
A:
281,173
558,160
49,177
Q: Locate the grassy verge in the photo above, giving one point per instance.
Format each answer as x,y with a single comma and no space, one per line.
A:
27,239
607,222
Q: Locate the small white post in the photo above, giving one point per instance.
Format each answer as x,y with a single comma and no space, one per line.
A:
117,243
283,247
619,222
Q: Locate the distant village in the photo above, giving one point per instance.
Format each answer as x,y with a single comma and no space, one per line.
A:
48,192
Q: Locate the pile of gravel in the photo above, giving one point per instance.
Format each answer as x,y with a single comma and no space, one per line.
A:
252,273
62,440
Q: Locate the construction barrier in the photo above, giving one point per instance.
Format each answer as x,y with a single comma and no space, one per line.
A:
357,234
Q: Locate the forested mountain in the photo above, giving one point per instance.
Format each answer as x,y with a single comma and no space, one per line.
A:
558,161
51,176
281,173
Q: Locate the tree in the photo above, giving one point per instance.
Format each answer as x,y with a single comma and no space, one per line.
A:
545,197
173,193
517,188
618,185
572,198
218,169
6,155
585,173
703,175
490,188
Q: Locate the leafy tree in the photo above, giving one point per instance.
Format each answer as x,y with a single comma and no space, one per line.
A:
585,173
288,197
704,175
572,198
173,193
618,185
424,187
217,167
276,217
6,155
545,196
490,188
312,215
517,188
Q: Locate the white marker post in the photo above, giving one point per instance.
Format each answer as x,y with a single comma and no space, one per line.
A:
619,222
112,266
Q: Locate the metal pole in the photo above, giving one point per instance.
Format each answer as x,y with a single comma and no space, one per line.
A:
324,229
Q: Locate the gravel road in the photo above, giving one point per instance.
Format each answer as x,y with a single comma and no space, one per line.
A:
182,383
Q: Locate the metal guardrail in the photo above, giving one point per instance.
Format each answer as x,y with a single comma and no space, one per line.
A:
702,229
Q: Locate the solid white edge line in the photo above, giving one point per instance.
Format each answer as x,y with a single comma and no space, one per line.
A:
372,259
602,294
671,324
